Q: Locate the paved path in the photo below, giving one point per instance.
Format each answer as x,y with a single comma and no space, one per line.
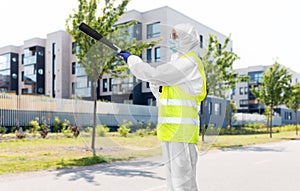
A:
270,167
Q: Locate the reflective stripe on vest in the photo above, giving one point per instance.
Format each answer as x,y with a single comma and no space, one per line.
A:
178,119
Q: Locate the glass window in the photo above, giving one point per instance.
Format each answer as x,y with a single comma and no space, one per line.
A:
104,86
243,103
4,79
30,69
246,90
201,41
217,108
241,91
73,87
82,82
233,91
149,55
73,68
256,76
210,108
157,54
110,84
135,31
73,48
153,30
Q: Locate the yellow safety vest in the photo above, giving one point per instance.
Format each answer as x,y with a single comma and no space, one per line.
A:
178,118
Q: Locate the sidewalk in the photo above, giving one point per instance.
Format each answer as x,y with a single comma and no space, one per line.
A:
268,167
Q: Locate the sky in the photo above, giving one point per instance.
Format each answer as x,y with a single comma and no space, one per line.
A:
262,31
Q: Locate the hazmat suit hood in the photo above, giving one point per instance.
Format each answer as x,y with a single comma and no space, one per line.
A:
188,39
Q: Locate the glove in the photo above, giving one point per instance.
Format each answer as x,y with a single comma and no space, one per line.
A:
124,54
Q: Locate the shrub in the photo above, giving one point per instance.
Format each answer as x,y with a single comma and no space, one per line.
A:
35,126
141,132
3,130
75,131
67,128
124,128
44,129
20,133
102,130
57,125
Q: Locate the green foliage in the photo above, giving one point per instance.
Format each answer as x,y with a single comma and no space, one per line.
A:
67,128
44,128
275,86
57,124
124,129
93,56
218,62
34,126
102,130
274,89
293,101
3,130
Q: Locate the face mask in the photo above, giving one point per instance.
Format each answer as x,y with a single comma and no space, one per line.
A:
174,45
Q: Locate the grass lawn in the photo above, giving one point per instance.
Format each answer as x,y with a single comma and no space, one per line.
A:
53,153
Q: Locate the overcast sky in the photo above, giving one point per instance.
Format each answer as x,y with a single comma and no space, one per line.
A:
262,30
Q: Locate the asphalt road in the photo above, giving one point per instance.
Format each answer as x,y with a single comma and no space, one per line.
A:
269,167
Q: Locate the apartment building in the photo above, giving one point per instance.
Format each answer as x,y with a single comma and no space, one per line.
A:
246,102
48,66
39,67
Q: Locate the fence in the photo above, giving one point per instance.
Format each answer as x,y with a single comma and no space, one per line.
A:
20,110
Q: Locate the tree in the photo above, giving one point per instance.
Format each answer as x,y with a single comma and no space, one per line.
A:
274,89
94,57
229,115
293,101
220,76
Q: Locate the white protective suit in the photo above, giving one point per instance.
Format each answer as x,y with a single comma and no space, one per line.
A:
180,158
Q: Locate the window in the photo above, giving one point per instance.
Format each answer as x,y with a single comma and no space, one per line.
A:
104,85
288,115
135,31
201,41
233,91
153,30
149,55
147,85
241,91
243,103
73,48
219,47
110,84
82,82
217,108
73,68
246,90
73,88
255,76
209,108
157,54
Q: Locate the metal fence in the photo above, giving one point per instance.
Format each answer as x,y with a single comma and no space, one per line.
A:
20,110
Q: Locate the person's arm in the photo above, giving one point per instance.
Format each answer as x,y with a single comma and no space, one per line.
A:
167,74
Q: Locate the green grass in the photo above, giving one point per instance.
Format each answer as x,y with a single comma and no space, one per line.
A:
54,153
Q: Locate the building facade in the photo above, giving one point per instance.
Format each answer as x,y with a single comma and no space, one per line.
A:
246,102
39,67
48,66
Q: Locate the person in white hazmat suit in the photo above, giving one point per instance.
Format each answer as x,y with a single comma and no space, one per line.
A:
183,85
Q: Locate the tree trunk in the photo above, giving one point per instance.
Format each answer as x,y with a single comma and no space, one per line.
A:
271,123
296,124
94,118
203,105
